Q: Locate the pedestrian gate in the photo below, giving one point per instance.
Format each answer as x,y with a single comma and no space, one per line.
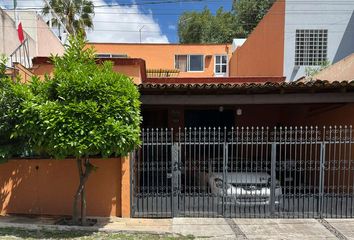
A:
244,172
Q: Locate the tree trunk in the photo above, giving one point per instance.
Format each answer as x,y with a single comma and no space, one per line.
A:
77,194
81,192
83,207
83,195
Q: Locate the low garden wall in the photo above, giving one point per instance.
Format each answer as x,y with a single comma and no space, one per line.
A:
47,187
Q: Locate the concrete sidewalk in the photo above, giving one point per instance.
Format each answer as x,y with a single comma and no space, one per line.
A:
214,228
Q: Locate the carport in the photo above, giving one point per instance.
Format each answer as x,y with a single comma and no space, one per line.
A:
245,150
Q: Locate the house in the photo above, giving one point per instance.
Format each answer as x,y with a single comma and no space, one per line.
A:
294,35
220,110
285,42
251,119
191,60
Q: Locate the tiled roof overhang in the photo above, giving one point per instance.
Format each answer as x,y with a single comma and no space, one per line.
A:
318,86
215,80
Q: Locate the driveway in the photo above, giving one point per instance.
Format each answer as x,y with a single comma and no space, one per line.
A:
212,228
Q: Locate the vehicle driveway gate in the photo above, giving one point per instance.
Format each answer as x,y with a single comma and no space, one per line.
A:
284,172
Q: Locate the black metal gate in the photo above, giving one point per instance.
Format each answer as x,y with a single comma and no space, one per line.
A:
244,172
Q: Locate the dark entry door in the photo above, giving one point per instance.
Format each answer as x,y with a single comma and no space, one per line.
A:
209,118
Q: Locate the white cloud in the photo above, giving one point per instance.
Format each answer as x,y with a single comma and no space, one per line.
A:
114,24
122,24
172,27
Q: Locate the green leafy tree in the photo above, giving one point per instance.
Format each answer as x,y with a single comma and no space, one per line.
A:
204,27
3,60
224,26
12,95
192,26
76,15
249,13
85,109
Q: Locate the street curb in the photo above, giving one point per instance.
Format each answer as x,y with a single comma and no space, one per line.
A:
50,227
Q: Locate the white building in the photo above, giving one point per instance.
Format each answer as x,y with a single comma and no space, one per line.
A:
40,40
316,31
295,35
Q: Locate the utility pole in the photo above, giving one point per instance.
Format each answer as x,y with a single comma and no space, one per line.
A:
140,31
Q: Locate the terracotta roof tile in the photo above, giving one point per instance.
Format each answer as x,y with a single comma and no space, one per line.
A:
266,87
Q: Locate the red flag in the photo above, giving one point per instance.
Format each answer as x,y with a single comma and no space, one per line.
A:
18,24
20,34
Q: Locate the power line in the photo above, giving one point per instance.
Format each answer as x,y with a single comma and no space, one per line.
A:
138,4
239,24
193,1
303,12
147,31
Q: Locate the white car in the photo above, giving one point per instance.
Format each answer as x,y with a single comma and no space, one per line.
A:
244,188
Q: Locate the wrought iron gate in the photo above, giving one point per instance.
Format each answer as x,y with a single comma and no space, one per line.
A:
244,172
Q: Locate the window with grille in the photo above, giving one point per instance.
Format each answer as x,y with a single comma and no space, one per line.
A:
311,47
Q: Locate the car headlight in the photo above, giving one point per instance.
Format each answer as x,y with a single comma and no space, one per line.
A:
219,182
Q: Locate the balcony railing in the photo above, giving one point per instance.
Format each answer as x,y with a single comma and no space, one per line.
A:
21,55
156,73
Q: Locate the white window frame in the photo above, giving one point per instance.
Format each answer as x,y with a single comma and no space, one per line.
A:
309,44
221,64
188,61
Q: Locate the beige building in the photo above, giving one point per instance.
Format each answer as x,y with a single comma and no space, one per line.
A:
340,71
40,40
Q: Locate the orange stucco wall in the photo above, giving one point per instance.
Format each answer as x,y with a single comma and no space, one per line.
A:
132,71
263,52
47,187
159,56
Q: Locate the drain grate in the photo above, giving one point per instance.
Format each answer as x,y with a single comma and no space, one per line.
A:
332,229
236,229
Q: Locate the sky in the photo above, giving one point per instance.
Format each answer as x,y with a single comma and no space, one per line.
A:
122,20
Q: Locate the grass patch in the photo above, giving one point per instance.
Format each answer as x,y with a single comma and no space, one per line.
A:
17,233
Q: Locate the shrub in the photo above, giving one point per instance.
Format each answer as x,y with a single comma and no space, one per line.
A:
85,109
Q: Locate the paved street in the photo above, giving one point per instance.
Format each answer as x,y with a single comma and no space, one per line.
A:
212,228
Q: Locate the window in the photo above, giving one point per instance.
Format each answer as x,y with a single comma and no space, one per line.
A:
196,63
110,55
220,65
181,62
189,63
311,47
